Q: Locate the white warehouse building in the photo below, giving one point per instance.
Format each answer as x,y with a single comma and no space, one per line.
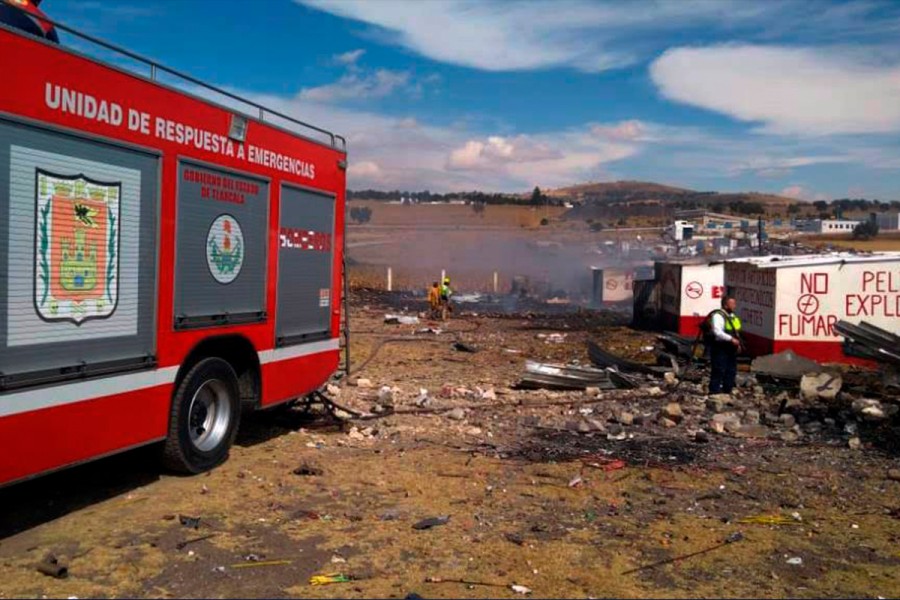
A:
830,226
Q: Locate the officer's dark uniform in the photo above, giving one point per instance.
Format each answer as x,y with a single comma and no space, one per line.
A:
723,355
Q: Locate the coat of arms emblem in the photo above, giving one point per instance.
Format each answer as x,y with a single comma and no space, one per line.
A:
76,247
225,249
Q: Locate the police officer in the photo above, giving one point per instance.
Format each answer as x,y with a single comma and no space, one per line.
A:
724,345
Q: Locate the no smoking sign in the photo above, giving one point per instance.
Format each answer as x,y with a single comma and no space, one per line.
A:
808,304
694,290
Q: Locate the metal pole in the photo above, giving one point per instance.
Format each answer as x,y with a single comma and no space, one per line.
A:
496,282
390,280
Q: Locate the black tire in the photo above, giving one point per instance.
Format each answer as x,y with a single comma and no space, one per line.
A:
191,447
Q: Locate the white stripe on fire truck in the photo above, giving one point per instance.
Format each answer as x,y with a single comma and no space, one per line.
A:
268,356
69,393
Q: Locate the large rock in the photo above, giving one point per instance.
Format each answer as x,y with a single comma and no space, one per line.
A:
788,420
752,430
722,422
673,412
786,365
820,385
457,414
873,410
386,396
718,402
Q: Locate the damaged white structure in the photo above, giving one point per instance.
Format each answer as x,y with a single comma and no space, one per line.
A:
795,302
688,292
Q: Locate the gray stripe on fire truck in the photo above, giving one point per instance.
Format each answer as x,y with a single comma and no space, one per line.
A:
268,356
69,393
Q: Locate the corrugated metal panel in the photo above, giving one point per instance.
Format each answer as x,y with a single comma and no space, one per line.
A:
305,266
79,234
220,257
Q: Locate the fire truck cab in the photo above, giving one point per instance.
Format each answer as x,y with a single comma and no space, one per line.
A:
169,256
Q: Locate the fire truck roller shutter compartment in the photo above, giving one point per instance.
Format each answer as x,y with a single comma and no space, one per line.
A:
305,266
220,256
78,233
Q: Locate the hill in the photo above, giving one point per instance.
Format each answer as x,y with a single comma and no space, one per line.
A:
632,191
637,198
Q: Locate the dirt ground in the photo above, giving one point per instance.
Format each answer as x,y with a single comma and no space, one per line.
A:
532,501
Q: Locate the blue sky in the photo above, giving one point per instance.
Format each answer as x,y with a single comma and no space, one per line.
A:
798,98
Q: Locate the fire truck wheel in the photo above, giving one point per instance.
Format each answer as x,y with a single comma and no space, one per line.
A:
206,410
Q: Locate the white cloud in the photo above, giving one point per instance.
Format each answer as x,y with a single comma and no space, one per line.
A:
496,151
365,170
349,58
786,90
507,36
629,131
771,165
357,86
799,192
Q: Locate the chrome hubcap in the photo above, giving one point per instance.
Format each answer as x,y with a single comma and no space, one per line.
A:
209,415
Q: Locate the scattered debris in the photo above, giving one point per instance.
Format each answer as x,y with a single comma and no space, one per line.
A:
186,543
53,567
824,386
794,560
603,359
431,522
769,520
261,563
423,400
731,539
520,589
400,320
457,414
559,377
308,470
868,341
329,579
784,366
673,412
461,347
364,383
874,410
464,582
192,522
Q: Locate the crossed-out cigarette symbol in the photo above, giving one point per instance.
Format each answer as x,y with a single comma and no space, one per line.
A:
808,304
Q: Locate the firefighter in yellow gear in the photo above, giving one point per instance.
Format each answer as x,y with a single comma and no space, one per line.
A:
446,295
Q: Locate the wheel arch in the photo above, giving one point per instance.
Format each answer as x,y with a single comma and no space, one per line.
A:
240,354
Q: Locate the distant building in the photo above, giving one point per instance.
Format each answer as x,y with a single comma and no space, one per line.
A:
829,226
888,222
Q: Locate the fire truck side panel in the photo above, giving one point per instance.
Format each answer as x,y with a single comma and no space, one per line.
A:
99,114
79,239
305,261
221,247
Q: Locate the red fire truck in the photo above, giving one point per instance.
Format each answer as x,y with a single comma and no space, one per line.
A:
170,255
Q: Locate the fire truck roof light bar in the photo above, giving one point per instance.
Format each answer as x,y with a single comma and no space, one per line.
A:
156,67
